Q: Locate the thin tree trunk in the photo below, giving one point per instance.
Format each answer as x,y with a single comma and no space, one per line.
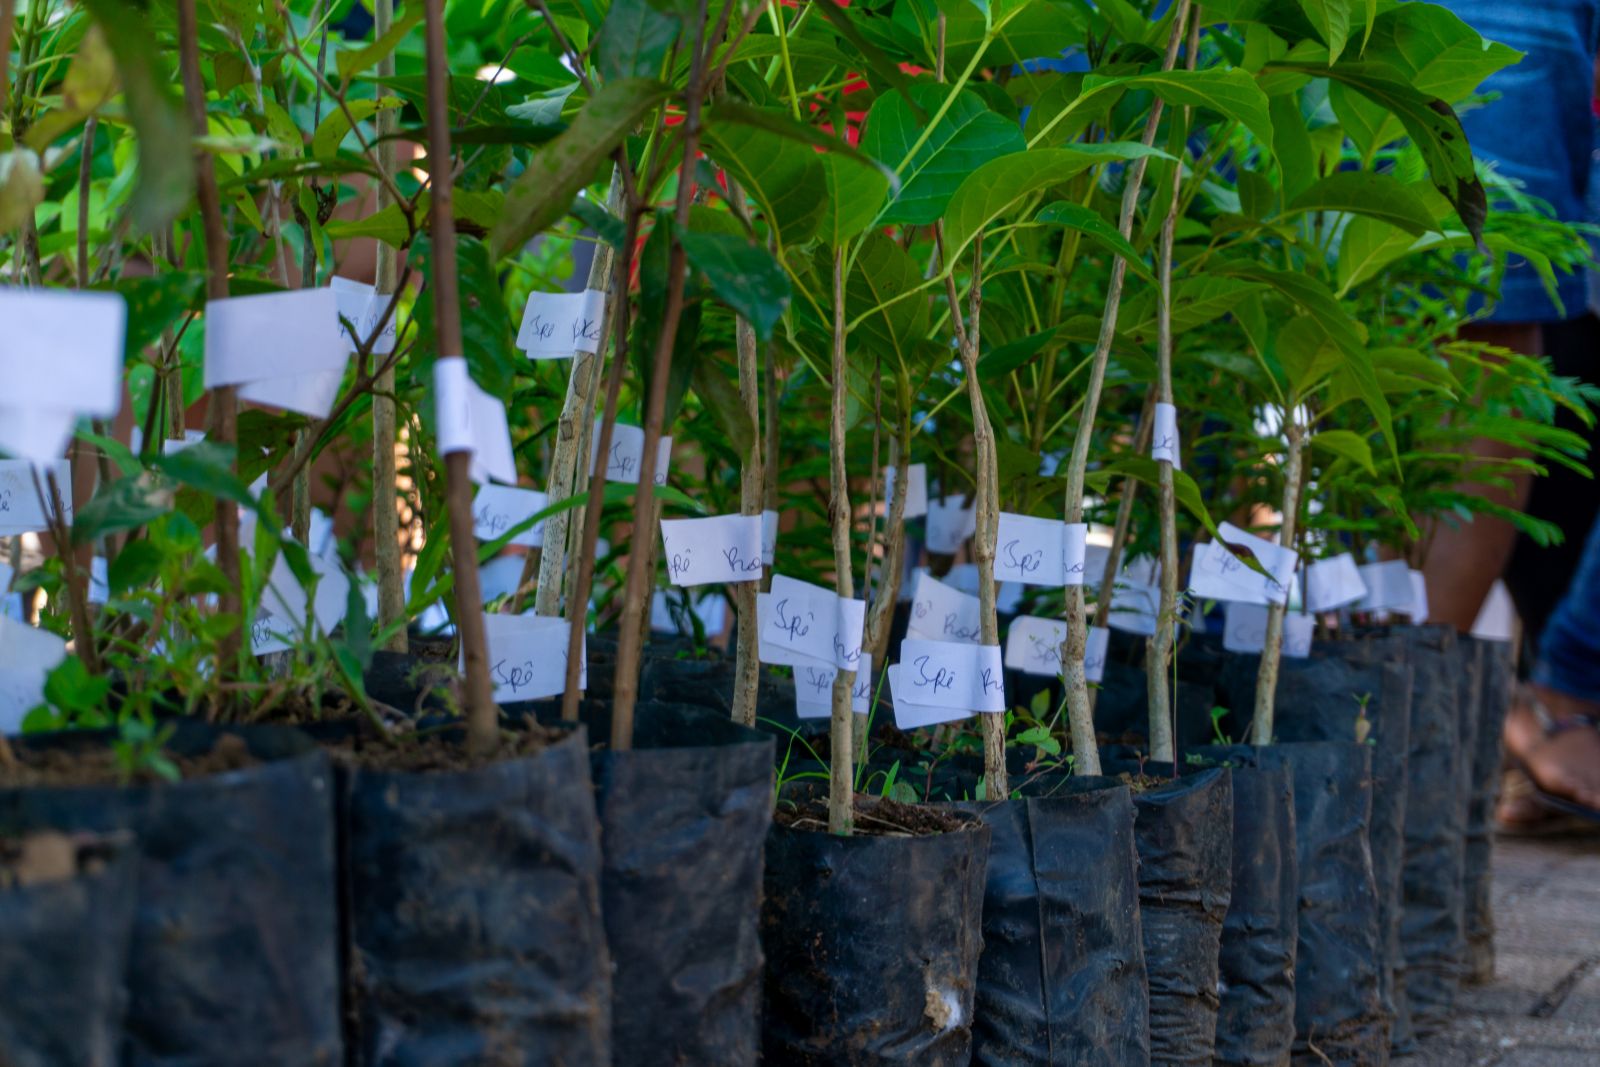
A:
1080,717
1119,532
385,476
769,457
224,399
573,437
841,755
1272,648
747,663
482,715
880,613
641,561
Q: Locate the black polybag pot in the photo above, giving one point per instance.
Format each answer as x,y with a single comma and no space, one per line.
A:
1061,978
684,816
1184,831
1255,1017
1497,677
1323,698
872,947
474,924
63,960
1432,931
234,953
1339,1016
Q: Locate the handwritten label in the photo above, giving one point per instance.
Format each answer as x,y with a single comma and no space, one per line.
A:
916,490
470,420
951,674
1388,586
1033,645
940,613
362,307
624,456
61,351
528,656
558,325
1094,655
1219,574
1244,628
273,335
725,548
1135,597
813,689
951,520
21,509
769,536
1298,630
911,716
1333,583
811,621
499,508
1418,606
286,610
1164,445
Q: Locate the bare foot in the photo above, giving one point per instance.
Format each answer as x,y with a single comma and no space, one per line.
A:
1562,756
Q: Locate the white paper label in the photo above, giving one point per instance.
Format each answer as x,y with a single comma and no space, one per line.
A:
27,656
1215,574
498,508
941,613
1278,561
309,394
35,434
1039,551
470,420
21,509
1033,645
61,351
812,621
1298,630
769,536
951,520
813,689
499,577
1245,628
284,611
361,305
951,675
1164,438
273,335
624,457
724,548
558,325
1418,607
1333,583
1136,597
1388,586
916,490
528,656
1094,655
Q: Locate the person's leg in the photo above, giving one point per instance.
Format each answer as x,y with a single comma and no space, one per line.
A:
1465,558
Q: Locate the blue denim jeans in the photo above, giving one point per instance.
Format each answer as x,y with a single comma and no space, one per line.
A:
1569,648
1541,130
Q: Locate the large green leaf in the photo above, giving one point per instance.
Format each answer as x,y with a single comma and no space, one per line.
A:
743,275
1430,123
486,332
1002,184
1346,444
882,272
1332,20
1094,226
931,168
558,170
1312,296
1378,196
336,126
354,61
1195,302
166,156
783,176
1232,93
1438,54
855,196
634,40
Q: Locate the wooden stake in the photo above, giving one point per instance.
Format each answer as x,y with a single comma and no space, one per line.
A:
747,663
1272,648
841,754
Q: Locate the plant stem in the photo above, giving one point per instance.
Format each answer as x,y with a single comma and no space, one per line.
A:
224,399
482,715
77,585
841,756
1086,757
385,476
573,436
1272,647
769,475
641,561
747,664
880,614
1119,532
1158,650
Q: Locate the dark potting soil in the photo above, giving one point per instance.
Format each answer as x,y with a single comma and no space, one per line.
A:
873,817
97,765
234,938
1255,1019
442,750
1061,978
872,946
66,914
471,901
1183,829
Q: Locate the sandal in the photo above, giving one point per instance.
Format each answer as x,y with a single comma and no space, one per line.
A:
1550,727
1517,791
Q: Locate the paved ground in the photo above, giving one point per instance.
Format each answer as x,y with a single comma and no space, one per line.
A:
1543,1009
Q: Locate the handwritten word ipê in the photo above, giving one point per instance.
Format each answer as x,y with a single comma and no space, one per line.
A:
792,626
1025,562
941,678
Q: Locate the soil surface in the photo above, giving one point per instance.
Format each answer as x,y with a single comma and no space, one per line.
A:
89,766
875,817
441,750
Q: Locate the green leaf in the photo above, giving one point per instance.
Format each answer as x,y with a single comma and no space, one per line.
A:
743,275
1378,196
606,226
559,169
486,331
1438,54
634,40
855,195
336,126
1358,373
1313,296
1291,144
545,108
1430,123
154,303
21,187
883,270
716,392
1332,20
351,63
136,565
166,160
784,177
968,136
1347,445
1232,93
